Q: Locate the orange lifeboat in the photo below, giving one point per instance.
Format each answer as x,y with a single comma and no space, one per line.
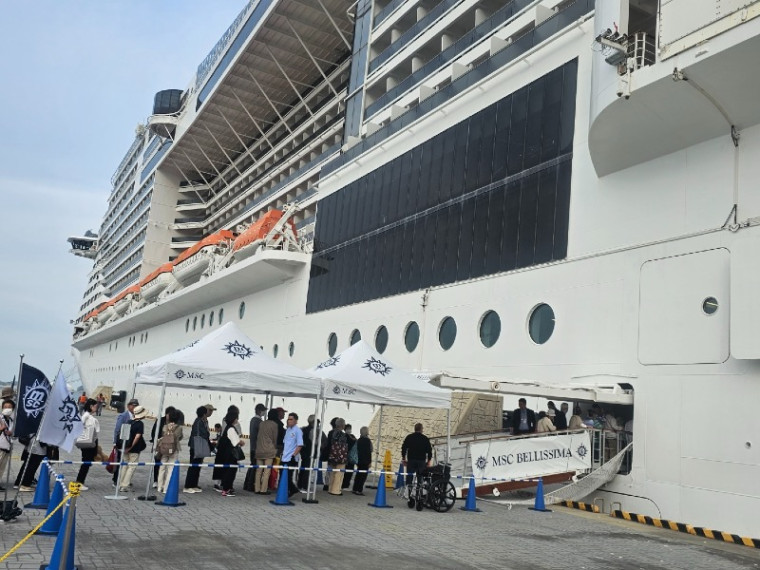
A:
123,299
248,242
192,262
155,282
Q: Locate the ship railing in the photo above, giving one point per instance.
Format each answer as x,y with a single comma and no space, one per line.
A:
641,50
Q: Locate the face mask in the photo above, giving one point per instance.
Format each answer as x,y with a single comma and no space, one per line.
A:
8,412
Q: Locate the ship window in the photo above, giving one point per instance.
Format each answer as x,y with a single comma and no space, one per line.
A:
203,320
447,333
356,336
187,327
412,336
541,323
275,350
221,315
291,348
332,344
195,323
490,329
146,337
241,310
710,305
381,339
211,319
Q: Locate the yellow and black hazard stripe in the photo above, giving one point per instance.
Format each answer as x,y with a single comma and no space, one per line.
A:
687,528
581,506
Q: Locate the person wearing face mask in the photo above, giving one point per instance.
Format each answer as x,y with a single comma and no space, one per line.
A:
6,432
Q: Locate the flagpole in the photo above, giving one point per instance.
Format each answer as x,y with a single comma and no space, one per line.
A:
42,421
10,453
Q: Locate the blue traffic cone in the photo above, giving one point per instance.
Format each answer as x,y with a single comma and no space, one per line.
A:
55,558
171,498
471,499
41,498
400,478
282,499
539,505
53,524
380,494
320,478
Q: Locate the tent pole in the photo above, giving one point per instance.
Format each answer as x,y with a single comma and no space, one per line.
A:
311,488
448,435
311,497
148,496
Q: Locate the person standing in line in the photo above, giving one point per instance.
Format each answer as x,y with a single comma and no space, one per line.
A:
33,454
364,452
124,417
199,430
6,433
306,460
280,430
168,448
266,450
253,434
416,453
325,453
229,440
135,446
159,423
338,457
352,458
545,423
219,471
88,453
292,445
558,418
523,419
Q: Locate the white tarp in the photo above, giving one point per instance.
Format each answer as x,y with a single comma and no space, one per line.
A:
360,374
522,458
228,360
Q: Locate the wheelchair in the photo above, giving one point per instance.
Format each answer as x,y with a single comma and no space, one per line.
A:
432,488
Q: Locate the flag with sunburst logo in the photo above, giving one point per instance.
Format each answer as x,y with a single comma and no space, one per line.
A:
62,424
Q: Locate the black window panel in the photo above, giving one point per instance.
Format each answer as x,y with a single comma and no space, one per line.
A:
501,139
330,282
392,262
416,198
370,268
495,226
407,249
323,230
511,227
390,197
533,126
338,223
474,142
358,208
567,113
480,229
561,219
485,159
465,233
458,162
516,148
376,194
428,250
423,188
550,118
526,240
450,251
436,162
391,182
547,198
447,163
404,166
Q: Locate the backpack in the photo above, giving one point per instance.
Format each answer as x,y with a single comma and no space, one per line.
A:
167,445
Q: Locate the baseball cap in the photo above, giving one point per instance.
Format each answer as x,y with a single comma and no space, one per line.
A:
281,409
209,407
133,402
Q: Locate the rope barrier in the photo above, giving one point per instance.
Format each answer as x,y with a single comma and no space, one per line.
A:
34,530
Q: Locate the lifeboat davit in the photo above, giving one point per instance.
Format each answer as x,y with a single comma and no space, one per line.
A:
248,242
192,262
105,312
124,299
155,282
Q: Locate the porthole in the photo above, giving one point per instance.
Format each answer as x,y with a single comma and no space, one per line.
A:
447,333
221,315
195,323
411,336
203,320
332,344
291,348
356,336
710,306
275,350
211,319
490,328
541,323
381,339
241,310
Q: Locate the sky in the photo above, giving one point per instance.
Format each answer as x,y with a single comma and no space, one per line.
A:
77,78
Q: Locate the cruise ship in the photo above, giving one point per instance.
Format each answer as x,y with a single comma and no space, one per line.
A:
523,197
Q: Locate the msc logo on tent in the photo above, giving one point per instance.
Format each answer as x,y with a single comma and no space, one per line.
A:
237,349
337,390
180,374
377,366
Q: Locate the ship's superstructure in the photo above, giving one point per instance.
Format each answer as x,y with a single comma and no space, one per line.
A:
553,191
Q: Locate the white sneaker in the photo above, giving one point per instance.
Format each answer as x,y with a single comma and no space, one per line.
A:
84,488
155,485
198,490
191,491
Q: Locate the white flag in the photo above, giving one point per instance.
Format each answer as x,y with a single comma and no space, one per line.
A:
61,425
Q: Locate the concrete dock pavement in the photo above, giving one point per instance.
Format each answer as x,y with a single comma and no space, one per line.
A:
246,531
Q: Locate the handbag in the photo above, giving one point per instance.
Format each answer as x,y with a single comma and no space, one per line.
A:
87,439
237,453
112,459
200,446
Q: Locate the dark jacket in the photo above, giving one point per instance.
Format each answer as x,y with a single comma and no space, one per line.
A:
253,434
416,447
516,421
560,420
364,449
200,428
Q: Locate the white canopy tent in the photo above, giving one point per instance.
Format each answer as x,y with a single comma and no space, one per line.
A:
360,374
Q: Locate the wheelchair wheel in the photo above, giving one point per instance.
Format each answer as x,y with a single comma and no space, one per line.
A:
442,496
